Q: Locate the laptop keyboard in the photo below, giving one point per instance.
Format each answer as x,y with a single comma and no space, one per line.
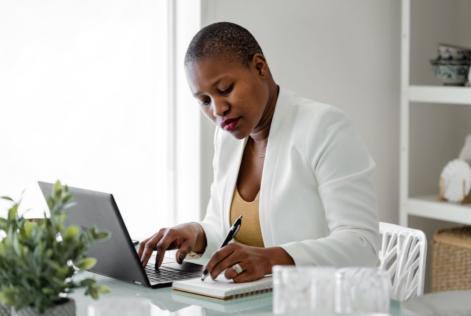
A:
167,274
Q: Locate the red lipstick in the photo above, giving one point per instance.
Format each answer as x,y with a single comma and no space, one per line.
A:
230,124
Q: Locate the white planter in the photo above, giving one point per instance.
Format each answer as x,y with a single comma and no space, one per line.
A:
5,310
65,309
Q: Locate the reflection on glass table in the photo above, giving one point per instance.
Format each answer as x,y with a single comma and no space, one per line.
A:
456,303
112,306
166,302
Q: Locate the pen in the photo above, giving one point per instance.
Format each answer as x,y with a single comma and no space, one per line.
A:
232,232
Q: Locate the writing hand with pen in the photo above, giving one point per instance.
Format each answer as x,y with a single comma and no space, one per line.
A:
239,262
230,235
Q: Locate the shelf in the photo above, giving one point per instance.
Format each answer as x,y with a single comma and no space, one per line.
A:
439,94
431,207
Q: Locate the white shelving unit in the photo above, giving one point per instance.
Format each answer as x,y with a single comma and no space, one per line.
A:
445,95
428,206
426,96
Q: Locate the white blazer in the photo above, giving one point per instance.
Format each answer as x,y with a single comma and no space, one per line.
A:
316,199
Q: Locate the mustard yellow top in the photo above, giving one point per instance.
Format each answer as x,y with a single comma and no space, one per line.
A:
250,233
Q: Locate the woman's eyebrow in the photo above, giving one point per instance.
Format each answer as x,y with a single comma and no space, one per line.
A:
197,93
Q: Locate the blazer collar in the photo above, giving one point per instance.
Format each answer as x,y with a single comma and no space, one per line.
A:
284,100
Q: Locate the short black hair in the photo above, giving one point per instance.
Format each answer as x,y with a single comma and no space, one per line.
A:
224,39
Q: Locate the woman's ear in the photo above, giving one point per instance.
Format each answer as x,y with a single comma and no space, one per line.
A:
261,72
260,64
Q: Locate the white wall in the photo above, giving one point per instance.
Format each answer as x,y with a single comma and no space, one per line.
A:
83,98
187,119
346,53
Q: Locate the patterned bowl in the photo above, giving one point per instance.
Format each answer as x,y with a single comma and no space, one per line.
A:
450,73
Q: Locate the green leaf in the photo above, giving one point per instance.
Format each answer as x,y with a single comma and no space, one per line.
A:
28,229
98,235
61,217
7,198
8,296
72,232
13,212
102,235
3,224
103,289
3,299
94,293
47,291
87,282
57,188
16,246
69,205
86,263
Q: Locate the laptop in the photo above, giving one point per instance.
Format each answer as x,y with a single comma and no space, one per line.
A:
117,256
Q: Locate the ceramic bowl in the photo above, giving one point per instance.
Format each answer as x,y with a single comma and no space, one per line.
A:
447,51
450,73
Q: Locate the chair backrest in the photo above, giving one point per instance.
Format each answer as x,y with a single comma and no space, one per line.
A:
402,254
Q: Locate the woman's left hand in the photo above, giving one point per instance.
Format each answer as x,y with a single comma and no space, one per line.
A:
255,262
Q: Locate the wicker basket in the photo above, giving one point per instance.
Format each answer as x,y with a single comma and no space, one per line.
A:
451,259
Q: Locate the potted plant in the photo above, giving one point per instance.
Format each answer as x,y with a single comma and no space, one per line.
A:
39,258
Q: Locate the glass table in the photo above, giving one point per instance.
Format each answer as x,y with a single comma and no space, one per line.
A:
165,301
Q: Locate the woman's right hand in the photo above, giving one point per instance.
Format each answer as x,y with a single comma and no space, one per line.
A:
184,237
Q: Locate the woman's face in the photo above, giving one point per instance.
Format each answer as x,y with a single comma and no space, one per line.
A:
231,94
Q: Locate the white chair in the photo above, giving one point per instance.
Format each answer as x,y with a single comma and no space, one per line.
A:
402,255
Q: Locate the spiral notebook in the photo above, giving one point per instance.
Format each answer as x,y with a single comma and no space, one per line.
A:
223,288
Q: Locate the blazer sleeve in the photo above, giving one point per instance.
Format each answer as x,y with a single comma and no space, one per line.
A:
343,170
212,222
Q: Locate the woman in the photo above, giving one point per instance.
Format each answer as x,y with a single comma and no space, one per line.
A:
294,168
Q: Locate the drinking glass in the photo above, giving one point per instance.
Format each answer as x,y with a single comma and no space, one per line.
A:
303,290
362,291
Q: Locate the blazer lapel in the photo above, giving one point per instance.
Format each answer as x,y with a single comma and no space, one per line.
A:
275,142
231,180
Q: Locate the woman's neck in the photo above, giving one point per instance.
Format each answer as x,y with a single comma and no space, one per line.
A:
260,134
